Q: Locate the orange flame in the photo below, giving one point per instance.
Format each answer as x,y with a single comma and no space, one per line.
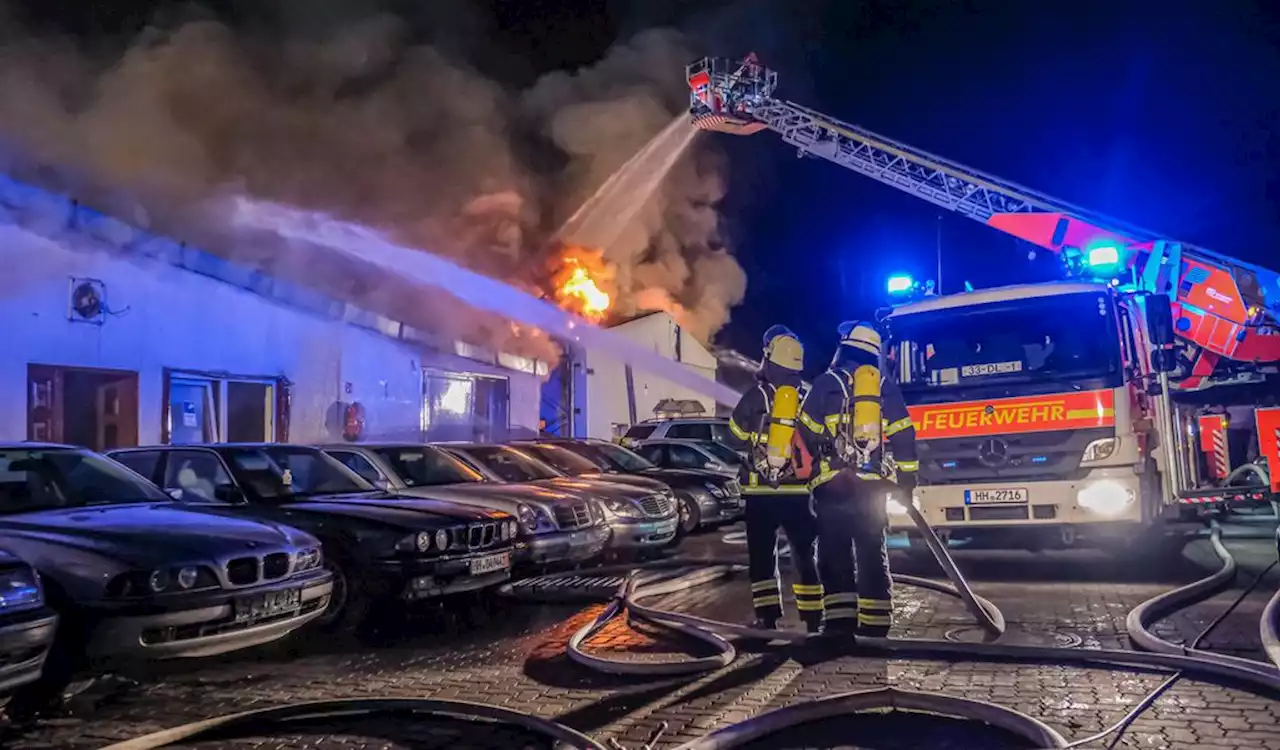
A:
578,283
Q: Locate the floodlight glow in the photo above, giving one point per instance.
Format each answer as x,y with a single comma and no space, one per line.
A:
900,284
1104,255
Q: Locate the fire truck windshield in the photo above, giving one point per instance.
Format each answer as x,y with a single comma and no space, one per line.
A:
1044,340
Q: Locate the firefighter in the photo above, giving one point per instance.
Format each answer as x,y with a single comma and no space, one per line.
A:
853,410
775,483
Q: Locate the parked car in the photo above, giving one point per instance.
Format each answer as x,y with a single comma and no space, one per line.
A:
691,454
383,550
555,527
704,498
638,519
27,624
133,574
701,429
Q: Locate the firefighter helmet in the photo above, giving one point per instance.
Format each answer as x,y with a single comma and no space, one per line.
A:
860,335
783,348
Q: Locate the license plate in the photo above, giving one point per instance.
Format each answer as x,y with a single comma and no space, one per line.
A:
1001,495
490,563
994,368
666,527
268,605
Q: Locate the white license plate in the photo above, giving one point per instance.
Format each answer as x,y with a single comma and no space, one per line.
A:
490,563
999,495
268,605
666,527
994,368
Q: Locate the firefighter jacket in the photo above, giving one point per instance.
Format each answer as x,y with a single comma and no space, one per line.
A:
827,416
750,424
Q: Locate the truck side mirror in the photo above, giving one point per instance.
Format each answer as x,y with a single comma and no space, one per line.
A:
1162,360
1159,315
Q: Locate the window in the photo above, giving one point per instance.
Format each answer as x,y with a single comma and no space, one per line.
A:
428,467
722,454
562,460
464,406
687,457
610,457
640,431
511,465
653,454
208,409
690,431
285,472
35,480
359,464
143,462
197,474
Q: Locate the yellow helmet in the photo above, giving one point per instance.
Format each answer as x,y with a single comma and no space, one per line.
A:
862,336
786,351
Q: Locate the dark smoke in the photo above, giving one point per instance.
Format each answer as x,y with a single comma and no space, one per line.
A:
368,126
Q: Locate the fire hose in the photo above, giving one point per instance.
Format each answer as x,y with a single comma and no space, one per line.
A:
641,584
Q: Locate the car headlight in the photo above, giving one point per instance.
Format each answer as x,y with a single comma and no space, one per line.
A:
528,517
419,542
441,539
1106,497
306,559
597,512
512,530
1099,450
19,589
166,580
622,508
714,489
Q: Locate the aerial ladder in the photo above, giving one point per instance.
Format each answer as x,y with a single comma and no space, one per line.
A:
1225,310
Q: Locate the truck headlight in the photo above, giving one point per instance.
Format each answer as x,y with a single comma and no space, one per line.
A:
1106,498
1099,450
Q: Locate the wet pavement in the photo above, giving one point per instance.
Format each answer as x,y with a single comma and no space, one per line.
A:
514,656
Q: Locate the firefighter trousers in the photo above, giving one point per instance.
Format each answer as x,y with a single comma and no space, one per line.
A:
791,513
852,557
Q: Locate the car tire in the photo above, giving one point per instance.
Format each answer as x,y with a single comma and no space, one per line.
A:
350,603
690,515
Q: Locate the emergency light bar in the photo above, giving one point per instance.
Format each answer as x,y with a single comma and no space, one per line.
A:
900,284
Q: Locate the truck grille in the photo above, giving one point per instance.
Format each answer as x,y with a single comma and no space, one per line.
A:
1037,456
573,516
655,506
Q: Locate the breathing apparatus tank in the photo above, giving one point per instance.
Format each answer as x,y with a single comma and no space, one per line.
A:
782,350
865,429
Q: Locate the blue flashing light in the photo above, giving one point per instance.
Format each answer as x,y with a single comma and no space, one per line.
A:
1039,459
1103,255
900,284
949,464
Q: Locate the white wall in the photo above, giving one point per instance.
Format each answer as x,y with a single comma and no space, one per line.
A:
605,400
169,317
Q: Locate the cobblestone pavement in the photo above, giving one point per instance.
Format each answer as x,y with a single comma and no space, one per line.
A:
515,658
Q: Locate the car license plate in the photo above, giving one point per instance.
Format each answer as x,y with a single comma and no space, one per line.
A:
268,605
490,563
1000,495
666,527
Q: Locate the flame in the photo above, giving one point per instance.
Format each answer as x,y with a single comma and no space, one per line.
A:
578,283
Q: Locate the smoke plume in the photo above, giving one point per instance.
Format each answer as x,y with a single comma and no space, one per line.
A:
367,126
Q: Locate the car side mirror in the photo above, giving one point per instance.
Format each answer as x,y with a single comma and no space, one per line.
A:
174,493
226,493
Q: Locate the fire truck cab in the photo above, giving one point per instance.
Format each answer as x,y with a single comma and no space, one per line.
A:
1035,409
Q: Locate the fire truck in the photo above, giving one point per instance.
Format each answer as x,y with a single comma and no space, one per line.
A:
1140,388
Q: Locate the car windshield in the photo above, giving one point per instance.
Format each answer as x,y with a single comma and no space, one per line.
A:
562,459
285,472
722,454
428,467
511,465
34,480
612,457
1068,336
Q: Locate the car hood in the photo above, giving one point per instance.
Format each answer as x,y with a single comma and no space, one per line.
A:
598,488
414,509
151,534
7,558
507,497
652,484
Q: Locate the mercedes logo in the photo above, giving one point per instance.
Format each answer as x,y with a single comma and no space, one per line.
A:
993,452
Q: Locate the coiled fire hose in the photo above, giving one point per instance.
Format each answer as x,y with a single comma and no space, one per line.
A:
641,584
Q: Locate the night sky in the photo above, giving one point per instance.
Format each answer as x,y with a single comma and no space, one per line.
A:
1154,112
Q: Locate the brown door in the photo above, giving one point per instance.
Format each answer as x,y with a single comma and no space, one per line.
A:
117,410
44,404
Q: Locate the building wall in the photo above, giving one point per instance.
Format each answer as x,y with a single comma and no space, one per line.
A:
162,317
603,391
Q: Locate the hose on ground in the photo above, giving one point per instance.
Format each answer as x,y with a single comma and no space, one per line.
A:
249,721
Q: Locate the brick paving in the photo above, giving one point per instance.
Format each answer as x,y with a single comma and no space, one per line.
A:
516,659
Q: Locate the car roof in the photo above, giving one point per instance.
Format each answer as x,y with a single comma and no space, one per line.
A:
678,441
42,446
668,420
212,447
